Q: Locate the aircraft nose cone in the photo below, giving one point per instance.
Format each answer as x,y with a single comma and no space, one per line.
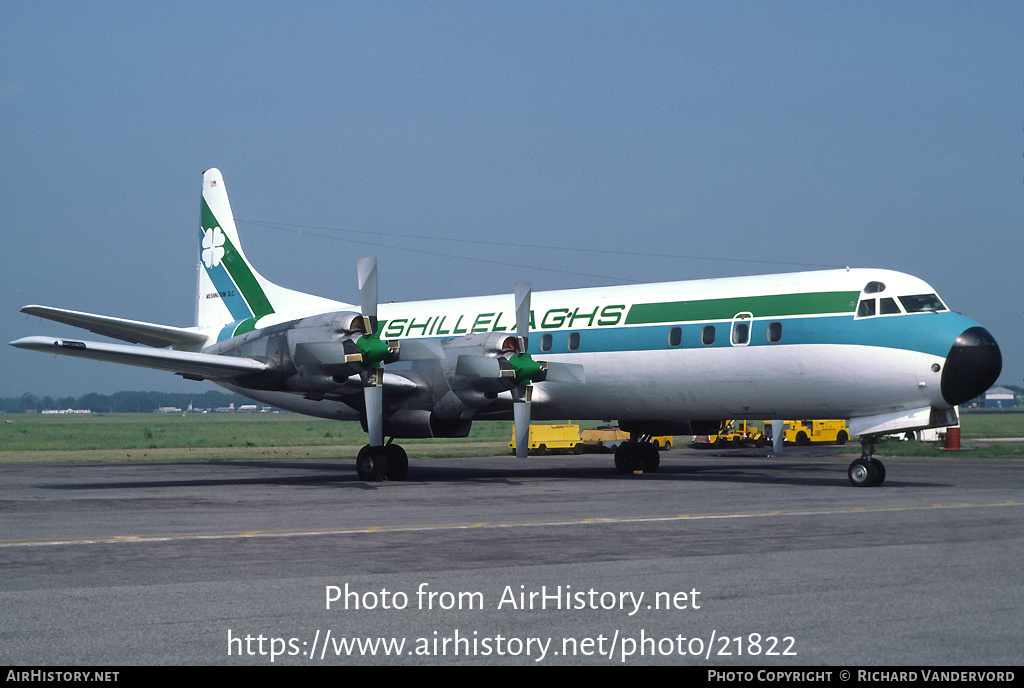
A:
972,366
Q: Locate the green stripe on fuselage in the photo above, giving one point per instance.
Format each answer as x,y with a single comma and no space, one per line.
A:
817,303
247,325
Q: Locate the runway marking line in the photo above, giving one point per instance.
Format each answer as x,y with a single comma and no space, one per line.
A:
106,539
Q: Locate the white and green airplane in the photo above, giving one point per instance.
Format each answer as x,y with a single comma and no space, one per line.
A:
876,347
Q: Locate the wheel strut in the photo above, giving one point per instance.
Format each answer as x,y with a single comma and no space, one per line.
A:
866,471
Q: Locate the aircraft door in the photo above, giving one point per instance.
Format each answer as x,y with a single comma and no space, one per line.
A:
739,333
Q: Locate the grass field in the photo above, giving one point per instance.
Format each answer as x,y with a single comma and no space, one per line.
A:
166,437
982,435
156,437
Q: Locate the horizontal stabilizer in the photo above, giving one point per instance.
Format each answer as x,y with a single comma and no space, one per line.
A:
159,336
192,364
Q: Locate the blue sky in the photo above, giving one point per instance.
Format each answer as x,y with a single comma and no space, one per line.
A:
672,140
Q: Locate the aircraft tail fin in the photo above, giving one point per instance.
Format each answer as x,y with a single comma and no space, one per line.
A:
231,295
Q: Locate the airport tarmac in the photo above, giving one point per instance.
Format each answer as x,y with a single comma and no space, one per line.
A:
720,558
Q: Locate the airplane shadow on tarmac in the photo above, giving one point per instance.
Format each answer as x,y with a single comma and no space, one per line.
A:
742,467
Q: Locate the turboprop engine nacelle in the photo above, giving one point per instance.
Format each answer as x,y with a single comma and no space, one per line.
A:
477,365
469,371
320,349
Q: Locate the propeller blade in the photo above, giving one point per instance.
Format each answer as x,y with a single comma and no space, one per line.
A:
373,395
419,350
367,271
523,291
521,417
565,372
372,351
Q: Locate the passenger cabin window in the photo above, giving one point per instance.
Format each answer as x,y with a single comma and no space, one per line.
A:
545,342
707,335
740,333
922,303
675,336
775,332
574,341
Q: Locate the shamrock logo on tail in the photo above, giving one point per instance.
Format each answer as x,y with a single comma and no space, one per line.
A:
213,246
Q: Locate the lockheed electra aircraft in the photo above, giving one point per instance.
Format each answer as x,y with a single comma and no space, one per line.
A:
876,347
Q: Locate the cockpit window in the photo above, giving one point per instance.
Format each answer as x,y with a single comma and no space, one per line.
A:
888,306
874,287
922,303
866,308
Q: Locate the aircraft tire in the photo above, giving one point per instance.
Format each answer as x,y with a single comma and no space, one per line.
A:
880,472
372,463
651,458
631,457
624,457
398,462
862,473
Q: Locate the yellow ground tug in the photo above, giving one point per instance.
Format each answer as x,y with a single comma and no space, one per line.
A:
545,438
804,432
734,434
607,438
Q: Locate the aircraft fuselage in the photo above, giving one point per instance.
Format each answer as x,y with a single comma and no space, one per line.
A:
778,346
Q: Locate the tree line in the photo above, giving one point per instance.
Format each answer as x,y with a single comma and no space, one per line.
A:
121,402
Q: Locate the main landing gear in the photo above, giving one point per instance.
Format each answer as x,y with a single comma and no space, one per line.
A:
389,462
866,471
637,456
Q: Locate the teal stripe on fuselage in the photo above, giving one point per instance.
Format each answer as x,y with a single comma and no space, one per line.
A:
929,333
237,327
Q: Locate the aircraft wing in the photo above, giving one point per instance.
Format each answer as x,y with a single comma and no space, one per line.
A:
150,334
188,363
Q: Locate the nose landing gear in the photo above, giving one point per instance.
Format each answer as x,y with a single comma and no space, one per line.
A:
387,462
866,471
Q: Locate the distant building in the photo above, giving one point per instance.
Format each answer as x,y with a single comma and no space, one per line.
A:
998,397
